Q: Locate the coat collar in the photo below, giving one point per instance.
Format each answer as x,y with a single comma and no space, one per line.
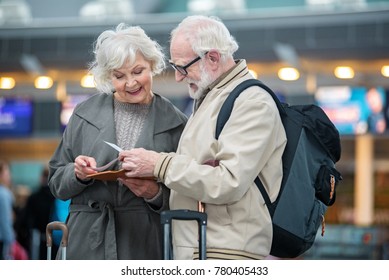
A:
240,69
98,111
235,73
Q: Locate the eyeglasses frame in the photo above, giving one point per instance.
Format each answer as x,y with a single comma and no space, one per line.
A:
182,69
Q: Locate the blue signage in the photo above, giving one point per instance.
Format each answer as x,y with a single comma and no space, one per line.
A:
355,110
15,117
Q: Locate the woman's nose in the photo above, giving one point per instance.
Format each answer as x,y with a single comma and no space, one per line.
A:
130,82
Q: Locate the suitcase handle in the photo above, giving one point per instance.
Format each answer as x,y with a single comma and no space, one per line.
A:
49,239
184,214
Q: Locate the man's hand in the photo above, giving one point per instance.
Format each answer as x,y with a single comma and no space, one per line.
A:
139,162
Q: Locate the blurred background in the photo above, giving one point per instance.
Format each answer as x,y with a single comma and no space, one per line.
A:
334,53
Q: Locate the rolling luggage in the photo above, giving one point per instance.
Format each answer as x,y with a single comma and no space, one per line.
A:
49,238
166,220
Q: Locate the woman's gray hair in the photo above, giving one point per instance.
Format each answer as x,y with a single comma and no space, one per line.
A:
205,33
113,48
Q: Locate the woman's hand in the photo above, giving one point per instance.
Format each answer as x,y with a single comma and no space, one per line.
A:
83,166
141,187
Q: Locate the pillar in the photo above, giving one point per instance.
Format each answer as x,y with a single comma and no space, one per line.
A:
364,180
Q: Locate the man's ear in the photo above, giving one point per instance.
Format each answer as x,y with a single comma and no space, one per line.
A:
214,58
213,55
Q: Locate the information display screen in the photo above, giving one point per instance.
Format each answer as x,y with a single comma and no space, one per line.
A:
355,110
15,117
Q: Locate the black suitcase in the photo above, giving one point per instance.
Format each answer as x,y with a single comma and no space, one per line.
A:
166,221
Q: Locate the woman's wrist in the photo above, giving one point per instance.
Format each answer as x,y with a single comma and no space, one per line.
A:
157,196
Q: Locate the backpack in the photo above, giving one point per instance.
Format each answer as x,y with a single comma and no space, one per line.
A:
309,176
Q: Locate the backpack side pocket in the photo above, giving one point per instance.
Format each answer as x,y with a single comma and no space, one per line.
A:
326,182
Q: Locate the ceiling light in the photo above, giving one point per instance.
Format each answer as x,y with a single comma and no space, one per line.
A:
7,83
288,74
88,81
344,72
43,82
385,71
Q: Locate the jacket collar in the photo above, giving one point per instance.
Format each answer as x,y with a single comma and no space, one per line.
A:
238,71
98,111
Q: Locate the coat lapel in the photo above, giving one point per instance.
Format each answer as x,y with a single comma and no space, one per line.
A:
101,117
160,119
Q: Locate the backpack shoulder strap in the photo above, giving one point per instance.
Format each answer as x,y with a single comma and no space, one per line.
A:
225,113
228,104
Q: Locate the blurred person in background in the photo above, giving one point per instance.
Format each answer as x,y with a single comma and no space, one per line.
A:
116,219
21,193
38,212
376,120
7,235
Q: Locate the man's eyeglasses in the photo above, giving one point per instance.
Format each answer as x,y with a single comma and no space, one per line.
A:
182,69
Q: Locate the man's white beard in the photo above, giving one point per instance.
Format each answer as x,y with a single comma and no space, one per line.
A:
205,80
195,94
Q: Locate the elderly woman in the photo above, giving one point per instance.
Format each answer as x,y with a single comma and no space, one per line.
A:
116,218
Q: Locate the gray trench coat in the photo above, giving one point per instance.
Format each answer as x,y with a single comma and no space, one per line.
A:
106,220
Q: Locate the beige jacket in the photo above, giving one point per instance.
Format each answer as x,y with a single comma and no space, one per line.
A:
250,144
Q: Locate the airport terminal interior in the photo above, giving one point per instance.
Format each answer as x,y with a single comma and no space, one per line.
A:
336,52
